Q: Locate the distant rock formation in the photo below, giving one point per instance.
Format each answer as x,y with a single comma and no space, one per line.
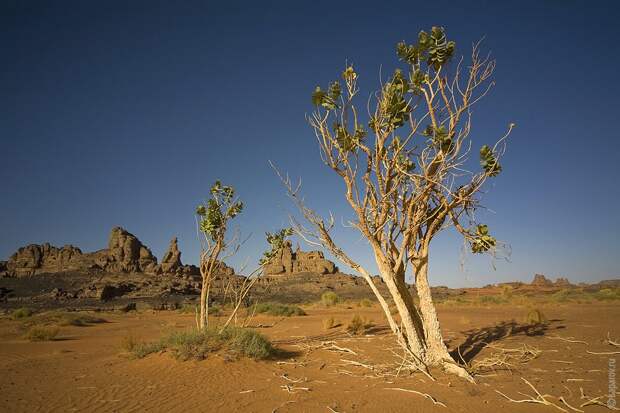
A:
541,281
33,259
289,262
562,282
171,261
125,254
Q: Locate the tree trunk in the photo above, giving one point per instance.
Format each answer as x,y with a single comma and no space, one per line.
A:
203,304
436,350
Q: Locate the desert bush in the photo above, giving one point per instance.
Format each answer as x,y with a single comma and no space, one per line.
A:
607,294
78,319
535,317
40,333
197,344
279,309
329,323
365,302
329,298
492,299
358,325
23,312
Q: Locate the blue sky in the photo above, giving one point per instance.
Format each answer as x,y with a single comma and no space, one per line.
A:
123,113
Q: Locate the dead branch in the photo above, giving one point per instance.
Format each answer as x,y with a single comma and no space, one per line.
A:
428,396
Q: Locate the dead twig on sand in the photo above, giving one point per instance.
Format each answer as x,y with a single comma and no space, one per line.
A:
539,399
611,342
506,358
428,396
568,405
603,353
595,401
285,377
568,339
293,389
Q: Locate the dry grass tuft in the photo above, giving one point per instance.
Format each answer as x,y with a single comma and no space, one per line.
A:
38,333
329,298
331,322
359,325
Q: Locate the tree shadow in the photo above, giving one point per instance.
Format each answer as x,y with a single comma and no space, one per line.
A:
477,339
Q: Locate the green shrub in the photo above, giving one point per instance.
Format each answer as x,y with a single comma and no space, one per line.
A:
535,317
38,333
23,312
358,325
329,298
607,294
196,345
366,303
279,309
330,323
492,299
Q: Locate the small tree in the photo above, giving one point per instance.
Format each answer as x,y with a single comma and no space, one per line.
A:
410,180
213,218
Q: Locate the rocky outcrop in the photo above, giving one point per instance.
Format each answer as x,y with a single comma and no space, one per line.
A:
34,259
541,281
126,253
289,262
562,282
171,261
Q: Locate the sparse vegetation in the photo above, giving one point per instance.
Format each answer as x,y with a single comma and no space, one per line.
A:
535,317
279,309
42,333
23,312
79,319
365,302
359,325
197,344
329,298
329,323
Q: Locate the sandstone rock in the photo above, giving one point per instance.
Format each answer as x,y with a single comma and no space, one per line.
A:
109,291
289,262
562,282
541,281
127,254
34,259
172,258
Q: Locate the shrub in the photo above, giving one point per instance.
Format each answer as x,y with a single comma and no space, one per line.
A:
23,312
358,325
196,345
492,299
608,294
365,303
330,323
329,298
279,309
535,317
38,333
79,320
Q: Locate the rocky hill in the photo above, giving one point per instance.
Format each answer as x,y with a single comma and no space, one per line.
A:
287,262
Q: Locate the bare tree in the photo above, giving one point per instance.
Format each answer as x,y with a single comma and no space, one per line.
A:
213,218
410,180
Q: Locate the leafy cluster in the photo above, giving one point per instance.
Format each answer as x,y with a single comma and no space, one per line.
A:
440,136
276,242
489,162
394,104
482,241
328,99
432,48
219,209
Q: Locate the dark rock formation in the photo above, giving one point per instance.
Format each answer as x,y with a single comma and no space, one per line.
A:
126,253
289,262
562,282
171,261
541,281
34,259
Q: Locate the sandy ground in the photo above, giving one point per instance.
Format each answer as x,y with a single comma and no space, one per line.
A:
85,370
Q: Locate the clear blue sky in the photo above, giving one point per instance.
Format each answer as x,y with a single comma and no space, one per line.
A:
123,113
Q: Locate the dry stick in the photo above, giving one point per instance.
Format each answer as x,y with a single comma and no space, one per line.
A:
596,400
611,342
292,389
428,396
568,405
569,339
603,353
540,399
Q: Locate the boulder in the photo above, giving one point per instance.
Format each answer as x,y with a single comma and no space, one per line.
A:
562,282
171,261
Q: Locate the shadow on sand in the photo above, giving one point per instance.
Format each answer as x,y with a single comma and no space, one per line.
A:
477,339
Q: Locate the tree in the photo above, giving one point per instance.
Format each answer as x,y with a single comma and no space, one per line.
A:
213,218
406,177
